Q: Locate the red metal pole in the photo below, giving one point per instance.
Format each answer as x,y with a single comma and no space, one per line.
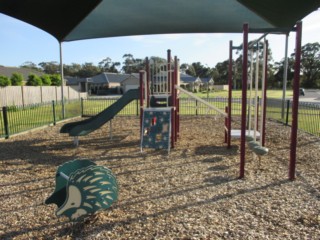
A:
226,126
148,82
169,72
257,113
172,127
229,94
295,102
244,99
265,97
174,97
141,97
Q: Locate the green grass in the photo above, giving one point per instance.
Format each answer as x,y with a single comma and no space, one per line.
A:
21,119
238,94
26,118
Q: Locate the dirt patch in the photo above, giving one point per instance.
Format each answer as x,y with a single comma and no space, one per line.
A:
193,193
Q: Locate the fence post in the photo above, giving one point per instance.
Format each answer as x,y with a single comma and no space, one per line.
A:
137,107
287,116
54,113
196,107
81,100
22,95
5,122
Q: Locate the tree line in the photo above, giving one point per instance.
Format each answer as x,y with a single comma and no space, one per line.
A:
310,68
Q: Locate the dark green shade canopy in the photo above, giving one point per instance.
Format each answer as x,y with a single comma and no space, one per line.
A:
69,20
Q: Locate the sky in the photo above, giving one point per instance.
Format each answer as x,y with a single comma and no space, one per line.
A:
21,42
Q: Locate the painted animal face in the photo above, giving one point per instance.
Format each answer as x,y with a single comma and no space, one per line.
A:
74,200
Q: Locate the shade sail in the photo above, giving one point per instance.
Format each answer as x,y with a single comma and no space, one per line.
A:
69,20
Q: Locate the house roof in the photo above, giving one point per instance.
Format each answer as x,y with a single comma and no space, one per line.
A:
74,80
102,78
8,71
205,80
116,77
185,78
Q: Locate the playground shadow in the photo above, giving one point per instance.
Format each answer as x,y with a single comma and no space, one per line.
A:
218,168
144,218
216,150
39,151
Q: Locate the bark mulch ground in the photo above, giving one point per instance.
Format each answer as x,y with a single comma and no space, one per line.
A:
192,193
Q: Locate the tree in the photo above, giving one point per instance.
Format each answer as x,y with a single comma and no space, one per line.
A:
16,79
108,66
72,70
88,70
188,69
34,80
310,65
30,65
46,80
55,79
222,72
4,81
131,64
279,72
50,67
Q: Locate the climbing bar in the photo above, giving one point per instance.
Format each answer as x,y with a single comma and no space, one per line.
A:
202,101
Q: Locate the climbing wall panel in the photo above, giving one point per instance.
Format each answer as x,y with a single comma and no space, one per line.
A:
156,128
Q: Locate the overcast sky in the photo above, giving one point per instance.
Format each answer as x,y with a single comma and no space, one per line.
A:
21,42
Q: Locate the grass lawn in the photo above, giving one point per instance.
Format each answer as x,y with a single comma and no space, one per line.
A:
238,93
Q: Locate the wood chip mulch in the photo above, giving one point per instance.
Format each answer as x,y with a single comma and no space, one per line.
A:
192,193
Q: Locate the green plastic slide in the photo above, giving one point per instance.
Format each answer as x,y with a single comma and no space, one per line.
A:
87,126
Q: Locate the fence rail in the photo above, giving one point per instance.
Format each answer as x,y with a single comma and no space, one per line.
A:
16,119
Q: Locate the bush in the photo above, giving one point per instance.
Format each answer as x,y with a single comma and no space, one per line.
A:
34,80
4,81
55,80
46,80
16,79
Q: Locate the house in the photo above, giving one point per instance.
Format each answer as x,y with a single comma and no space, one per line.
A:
207,84
189,82
105,83
131,82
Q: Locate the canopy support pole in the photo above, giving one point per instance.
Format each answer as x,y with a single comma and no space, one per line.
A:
295,103
244,98
285,77
229,95
62,81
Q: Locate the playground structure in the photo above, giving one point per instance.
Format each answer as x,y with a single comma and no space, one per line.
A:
254,130
259,148
84,127
82,188
159,105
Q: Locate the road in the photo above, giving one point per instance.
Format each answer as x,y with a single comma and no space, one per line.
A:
311,95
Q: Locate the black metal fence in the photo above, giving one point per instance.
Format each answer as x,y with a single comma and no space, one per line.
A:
17,119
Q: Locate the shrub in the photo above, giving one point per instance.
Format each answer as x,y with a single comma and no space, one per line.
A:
46,80
16,79
55,80
4,81
34,80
